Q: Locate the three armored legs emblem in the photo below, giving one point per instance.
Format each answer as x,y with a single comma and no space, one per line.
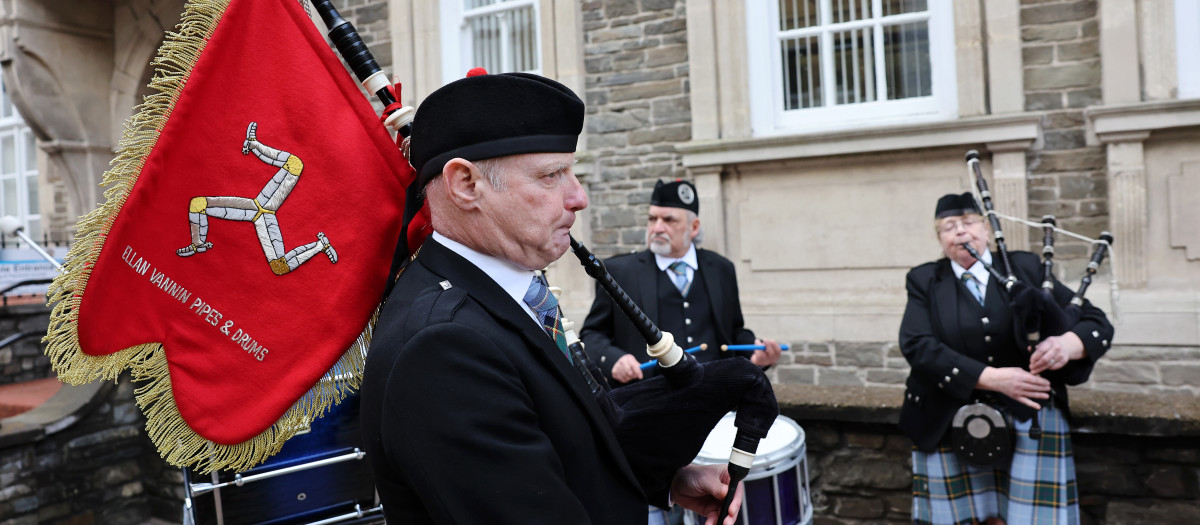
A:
260,211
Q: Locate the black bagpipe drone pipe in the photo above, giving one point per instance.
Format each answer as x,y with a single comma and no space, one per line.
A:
1036,313
662,422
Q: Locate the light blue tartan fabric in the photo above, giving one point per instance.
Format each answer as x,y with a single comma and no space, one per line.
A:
1038,487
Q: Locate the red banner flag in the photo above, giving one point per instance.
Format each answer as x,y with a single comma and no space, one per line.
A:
239,261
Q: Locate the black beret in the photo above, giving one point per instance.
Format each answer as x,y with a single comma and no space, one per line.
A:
678,194
487,116
953,205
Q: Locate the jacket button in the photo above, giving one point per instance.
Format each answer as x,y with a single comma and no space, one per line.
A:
947,379
1095,333
954,371
987,338
940,385
687,321
685,304
689,338
990,359
985,320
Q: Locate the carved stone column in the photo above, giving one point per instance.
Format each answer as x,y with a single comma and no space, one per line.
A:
1009,194
712,205
1127,213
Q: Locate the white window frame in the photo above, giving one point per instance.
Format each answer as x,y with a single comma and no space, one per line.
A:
456,39
769,118
25,170
1187,44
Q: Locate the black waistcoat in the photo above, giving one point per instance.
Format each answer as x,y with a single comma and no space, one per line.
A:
674,311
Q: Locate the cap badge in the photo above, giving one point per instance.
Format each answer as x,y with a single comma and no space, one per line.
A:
686,195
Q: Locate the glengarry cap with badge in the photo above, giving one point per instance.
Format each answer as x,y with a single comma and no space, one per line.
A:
677,194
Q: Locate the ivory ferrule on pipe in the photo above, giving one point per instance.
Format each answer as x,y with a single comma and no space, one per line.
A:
665,351
741,458
400,118
376,82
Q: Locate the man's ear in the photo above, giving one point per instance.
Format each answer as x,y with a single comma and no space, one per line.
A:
463,182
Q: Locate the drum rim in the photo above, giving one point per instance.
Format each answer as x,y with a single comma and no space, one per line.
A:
767,464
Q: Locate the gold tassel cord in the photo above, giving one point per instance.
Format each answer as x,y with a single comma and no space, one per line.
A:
177,443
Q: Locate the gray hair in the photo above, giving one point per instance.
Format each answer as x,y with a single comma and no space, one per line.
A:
699,238
490,168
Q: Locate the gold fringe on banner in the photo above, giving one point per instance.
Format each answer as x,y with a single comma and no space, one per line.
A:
176,441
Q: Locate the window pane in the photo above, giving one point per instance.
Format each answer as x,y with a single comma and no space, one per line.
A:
35,230
8,155
31,188
896,7
854,65
795,14
10,198
801,73
522,39
472,4
906,57
850,10
485,39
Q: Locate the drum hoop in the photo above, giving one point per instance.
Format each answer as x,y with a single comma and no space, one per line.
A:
771,463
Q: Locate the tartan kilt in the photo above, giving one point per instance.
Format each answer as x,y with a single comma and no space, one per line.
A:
1037,486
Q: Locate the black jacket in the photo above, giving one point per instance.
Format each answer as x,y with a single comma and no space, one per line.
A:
948,339
471,414
608,334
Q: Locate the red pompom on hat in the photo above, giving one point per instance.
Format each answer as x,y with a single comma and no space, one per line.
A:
476,71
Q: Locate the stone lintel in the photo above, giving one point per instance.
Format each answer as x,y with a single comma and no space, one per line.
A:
962,132
1111,121
1010,146
1093,411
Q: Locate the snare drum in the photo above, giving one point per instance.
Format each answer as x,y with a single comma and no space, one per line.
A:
777,490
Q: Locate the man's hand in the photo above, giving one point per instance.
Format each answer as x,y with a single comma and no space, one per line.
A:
1015,383
767,356
702,488
1055,351
626,369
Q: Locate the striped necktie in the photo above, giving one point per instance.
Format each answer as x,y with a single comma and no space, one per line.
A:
972,284
545,306
679,275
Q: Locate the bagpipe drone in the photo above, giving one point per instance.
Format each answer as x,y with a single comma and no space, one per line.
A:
979,431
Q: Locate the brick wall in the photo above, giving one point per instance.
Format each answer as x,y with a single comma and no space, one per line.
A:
635,53
1061,52
1138,369
861,473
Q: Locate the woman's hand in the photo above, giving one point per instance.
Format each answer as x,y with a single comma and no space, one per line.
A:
1015,383
1054,352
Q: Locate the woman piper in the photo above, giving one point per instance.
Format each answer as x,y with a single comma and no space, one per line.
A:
975,395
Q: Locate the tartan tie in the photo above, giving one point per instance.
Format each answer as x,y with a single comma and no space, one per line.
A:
679,271
972,284
545,306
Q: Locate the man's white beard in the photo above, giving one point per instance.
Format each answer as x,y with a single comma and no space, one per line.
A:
661,248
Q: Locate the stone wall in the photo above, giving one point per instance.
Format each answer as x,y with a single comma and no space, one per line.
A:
1133,464
1137,369
23,360
93,470
635,54
1067,179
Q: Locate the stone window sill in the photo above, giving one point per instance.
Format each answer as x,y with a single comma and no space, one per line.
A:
1020,128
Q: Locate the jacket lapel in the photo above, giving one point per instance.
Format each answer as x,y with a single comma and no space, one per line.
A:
444,262
712,286
647,283
945,297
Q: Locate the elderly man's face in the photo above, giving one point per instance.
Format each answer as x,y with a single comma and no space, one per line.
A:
669,232
533,214
953,232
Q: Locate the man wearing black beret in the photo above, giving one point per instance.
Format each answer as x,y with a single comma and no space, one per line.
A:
472,409
685,290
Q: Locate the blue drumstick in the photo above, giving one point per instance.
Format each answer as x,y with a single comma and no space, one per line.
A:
747,348
692,350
